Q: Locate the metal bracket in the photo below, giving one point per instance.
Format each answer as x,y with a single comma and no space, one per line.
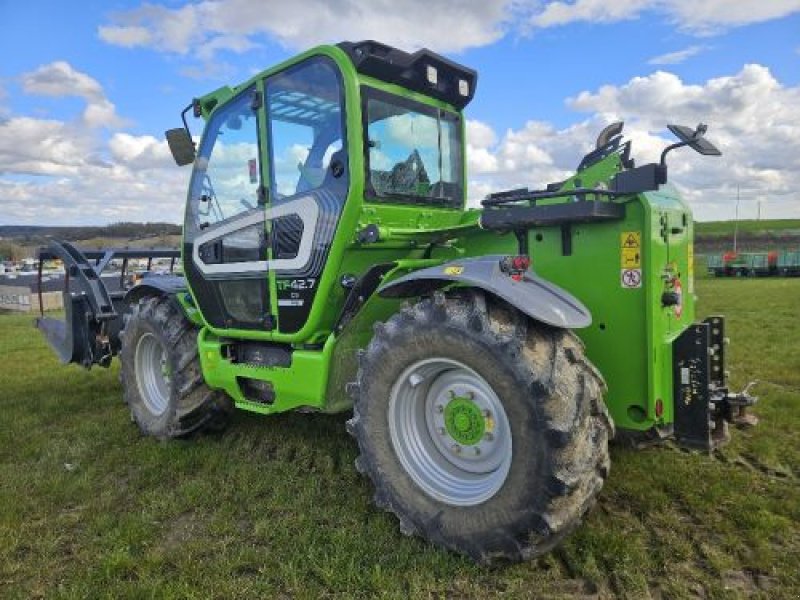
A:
703,404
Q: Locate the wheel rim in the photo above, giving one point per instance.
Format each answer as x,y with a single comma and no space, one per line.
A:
152,373
450,431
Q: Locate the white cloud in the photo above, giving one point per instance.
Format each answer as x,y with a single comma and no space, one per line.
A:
752,117
60,79
63,177
66,172
127,36
140,152
41,147
4,110
709,16
597,11
701,17
199,29
214,70
677,57
446,25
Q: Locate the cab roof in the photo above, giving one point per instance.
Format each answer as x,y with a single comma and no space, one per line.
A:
423,71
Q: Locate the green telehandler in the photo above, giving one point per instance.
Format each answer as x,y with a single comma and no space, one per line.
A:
329,263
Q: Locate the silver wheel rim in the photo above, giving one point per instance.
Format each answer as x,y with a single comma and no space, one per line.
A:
152,373
421,431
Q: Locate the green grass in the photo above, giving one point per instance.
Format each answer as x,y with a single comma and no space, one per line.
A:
726,228
274,507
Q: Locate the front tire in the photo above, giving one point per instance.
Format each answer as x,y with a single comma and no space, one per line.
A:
482,431
161,376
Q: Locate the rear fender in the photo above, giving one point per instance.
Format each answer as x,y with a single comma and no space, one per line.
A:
532,295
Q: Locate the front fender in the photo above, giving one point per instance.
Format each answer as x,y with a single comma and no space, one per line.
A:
156,285
534,296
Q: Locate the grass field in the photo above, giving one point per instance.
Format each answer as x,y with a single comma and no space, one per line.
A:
274,507
725,228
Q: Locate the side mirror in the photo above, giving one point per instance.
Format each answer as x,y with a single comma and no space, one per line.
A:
181,145
694,139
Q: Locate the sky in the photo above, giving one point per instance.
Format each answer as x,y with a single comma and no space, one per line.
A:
88,88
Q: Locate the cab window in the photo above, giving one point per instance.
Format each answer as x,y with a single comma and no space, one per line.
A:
413,151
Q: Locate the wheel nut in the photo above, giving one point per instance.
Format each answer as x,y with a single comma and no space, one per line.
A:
477,451
442,431
486,413
471,395
488,436
452,393
439,408
456,448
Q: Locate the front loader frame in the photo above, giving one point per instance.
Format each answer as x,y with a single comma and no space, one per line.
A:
89,334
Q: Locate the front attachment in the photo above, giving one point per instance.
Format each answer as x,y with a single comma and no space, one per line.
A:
703,403
89,334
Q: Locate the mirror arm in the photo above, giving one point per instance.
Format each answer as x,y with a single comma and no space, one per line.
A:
669,149
186,125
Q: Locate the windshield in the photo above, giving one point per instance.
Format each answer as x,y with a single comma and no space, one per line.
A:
414,152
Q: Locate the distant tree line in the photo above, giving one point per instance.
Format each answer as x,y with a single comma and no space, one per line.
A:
34,234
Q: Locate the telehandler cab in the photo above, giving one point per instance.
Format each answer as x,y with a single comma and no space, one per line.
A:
329,263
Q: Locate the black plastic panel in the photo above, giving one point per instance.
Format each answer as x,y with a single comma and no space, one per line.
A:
524,217
411,70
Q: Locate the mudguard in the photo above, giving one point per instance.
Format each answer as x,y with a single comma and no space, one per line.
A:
534,296
157,285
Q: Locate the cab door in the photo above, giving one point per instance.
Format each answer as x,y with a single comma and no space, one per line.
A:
260,210
308,181
225,240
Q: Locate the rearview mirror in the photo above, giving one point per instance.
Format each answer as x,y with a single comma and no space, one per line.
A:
694,139
181,145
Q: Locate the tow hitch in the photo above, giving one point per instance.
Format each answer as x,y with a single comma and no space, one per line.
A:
704,405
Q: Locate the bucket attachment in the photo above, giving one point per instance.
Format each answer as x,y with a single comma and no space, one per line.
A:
89,334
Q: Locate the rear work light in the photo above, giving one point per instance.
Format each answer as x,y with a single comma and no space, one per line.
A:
515,266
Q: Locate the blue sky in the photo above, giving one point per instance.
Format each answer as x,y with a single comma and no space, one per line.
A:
85,94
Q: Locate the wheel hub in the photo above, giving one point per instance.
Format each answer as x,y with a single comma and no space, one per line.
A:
464,421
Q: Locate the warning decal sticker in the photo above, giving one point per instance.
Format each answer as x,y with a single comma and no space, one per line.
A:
631,239
631,258
631,278
630,254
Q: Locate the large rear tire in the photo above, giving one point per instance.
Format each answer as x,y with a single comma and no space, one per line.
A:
161,376
482,431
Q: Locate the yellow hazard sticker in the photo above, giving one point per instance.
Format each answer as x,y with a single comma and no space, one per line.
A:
631,239
631,258
454,270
